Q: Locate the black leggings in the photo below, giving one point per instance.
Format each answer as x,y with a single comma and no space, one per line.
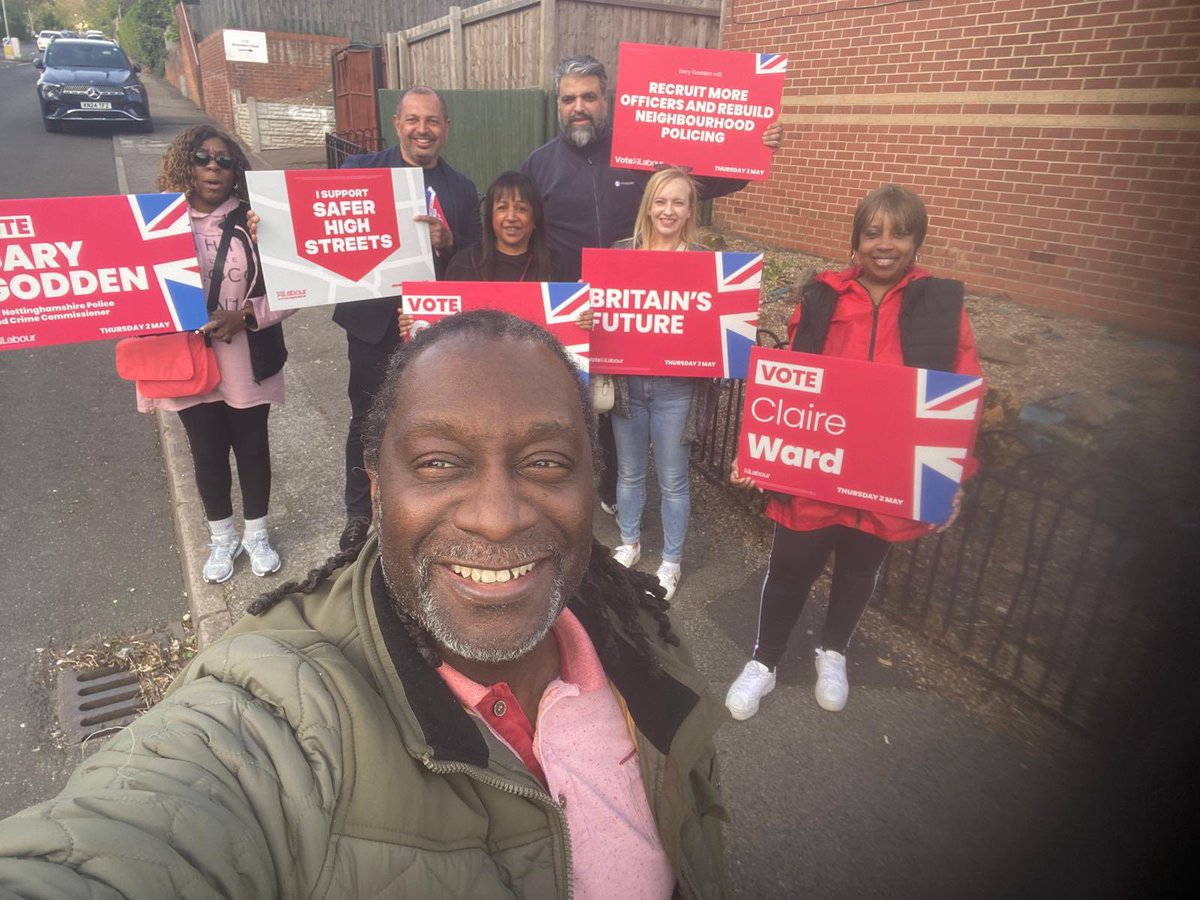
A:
797,560
213,429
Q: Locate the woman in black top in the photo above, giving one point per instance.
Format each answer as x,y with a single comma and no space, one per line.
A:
514,244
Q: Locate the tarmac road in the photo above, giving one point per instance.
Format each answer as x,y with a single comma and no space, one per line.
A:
86,538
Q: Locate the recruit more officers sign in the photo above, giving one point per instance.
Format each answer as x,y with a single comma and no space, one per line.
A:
704,109
78,269
890,439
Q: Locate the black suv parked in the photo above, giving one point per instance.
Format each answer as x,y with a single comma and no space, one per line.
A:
90,81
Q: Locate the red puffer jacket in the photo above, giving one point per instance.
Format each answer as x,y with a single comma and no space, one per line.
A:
849,337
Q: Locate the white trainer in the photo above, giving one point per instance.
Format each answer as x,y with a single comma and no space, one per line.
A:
222,551
668,576
755,682
628,555
263,558
832,687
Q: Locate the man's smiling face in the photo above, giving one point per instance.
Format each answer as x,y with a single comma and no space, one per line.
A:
483,494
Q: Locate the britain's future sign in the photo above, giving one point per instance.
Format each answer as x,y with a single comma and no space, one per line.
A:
690,313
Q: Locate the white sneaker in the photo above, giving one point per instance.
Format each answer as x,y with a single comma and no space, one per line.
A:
628,555
222,551
832,687
263,559
755,682
610,508
668,576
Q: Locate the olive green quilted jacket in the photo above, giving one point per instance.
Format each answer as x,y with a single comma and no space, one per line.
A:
312,753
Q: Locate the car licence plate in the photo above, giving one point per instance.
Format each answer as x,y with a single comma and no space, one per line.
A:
95,104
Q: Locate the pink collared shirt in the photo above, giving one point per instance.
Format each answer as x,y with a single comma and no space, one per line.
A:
583,752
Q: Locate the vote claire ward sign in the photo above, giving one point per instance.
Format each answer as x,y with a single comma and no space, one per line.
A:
339,235
78,269
884,438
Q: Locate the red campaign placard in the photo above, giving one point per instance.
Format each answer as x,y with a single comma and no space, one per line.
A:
889,439
76,269
705,109
553,305
691,313
348,230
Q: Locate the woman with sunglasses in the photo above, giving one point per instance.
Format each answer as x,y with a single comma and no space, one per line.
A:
209,167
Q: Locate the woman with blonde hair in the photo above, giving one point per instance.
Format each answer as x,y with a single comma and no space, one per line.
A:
658,410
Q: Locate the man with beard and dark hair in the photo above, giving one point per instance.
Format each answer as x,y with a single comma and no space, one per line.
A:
478,702
588,202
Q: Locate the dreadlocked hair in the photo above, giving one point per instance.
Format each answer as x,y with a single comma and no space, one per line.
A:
315,577
177,172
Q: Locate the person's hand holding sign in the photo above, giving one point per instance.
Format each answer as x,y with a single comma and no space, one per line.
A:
738,480
226,323
439,234
773,136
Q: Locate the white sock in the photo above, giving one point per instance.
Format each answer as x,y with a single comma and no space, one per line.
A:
670,567
253,525
222,528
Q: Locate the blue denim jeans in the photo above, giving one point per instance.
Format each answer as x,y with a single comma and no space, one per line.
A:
658,412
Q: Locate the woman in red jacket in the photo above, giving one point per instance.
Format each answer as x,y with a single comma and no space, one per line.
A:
883,308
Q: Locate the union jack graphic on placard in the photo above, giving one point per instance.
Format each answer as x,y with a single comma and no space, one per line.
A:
160,215
183,291
738,271
770,64
564,301
166,215
945,395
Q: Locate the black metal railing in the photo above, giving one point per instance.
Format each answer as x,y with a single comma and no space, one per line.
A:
351,142
1054,580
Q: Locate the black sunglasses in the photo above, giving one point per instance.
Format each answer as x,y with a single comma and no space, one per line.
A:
201,158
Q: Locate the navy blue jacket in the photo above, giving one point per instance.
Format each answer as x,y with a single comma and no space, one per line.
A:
588,202
368,320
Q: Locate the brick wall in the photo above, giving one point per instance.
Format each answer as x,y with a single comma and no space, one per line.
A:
298,64
1054,143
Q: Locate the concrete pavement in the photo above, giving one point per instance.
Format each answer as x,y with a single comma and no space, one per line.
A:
905,793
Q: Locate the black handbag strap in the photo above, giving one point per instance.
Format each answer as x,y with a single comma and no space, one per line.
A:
232,221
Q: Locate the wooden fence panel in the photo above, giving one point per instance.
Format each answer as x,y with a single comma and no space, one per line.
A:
502,51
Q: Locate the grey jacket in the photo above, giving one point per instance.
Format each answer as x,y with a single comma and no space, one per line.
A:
312,753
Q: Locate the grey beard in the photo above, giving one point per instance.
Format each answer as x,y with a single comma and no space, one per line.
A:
589,133
581,135
429,616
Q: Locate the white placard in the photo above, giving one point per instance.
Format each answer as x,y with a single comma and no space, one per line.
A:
245,46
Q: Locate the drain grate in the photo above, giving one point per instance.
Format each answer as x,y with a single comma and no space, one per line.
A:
96,701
